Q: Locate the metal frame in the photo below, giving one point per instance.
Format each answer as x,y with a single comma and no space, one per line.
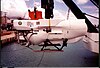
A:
80,15
47,42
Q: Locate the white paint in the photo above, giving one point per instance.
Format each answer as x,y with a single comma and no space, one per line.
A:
65,29
92,42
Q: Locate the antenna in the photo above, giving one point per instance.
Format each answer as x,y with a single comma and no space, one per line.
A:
34,4
34,9
5,16
68,14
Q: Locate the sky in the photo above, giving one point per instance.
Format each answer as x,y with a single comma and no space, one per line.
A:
85,5
20,7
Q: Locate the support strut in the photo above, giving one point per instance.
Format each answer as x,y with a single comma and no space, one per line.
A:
48,43
80,15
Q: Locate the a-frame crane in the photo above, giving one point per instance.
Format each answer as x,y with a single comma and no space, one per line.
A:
74,8
80,15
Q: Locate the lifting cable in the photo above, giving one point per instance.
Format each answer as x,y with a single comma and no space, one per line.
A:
49,23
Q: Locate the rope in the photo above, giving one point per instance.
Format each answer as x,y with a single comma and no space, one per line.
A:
41,59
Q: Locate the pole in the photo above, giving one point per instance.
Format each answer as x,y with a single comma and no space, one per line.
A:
5,17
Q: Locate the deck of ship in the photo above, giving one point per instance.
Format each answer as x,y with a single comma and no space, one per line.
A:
74,55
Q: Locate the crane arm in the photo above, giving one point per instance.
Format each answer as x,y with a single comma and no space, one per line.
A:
80,15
